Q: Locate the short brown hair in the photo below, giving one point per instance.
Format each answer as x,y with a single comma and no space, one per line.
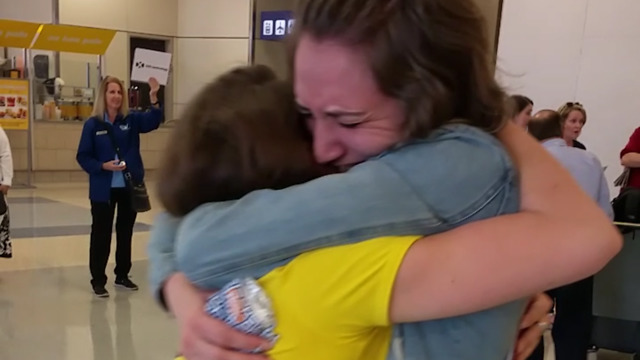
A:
546,124
239,134
433,55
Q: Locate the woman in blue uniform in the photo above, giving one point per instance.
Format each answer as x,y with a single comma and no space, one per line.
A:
111,121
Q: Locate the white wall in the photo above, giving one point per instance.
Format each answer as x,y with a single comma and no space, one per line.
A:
156,17
152,17
38,11
213,36
577,50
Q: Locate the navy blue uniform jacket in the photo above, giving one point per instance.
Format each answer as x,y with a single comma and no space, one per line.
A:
96,148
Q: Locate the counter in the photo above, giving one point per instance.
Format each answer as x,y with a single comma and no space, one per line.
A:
55,144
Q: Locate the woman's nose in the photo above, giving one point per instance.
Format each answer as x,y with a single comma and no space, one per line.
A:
327,147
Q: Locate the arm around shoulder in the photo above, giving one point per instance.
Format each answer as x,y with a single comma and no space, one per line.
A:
494,261
162,262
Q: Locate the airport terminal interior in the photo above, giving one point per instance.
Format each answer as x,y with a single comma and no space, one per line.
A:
586,51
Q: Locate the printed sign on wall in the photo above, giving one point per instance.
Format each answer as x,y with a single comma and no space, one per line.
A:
275,25
14,104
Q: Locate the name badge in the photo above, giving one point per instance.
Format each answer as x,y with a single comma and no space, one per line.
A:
101,132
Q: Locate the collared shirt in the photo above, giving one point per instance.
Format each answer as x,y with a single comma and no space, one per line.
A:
585,168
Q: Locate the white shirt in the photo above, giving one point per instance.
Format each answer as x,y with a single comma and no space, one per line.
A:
6,160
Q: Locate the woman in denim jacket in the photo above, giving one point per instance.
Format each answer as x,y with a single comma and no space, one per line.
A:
236,139
356,110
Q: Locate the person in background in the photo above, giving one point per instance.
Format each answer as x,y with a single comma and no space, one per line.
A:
107,186
574,116
630,158
572,327
6,177
521,108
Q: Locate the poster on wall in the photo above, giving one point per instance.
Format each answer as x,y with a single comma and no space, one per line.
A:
14,104
275,25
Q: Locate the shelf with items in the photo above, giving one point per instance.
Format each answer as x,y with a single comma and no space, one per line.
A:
70,103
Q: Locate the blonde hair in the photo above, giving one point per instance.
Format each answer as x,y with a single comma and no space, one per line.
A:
567,108
100,105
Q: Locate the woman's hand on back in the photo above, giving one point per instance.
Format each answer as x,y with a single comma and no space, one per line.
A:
201,336
535,321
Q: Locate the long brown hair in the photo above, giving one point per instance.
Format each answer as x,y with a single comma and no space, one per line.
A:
518,104
100,105
433,55
240,133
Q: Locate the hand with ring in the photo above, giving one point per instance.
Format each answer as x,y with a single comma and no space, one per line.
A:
537,319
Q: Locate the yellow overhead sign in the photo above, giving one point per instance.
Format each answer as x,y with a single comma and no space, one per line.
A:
18,34
76,39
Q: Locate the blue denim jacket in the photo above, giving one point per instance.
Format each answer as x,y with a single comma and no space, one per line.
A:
456,176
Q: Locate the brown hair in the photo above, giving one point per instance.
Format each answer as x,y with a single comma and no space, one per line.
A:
547,124
518,104
568,107
433,55
240,133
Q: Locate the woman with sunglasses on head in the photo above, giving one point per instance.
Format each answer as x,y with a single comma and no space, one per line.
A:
574,116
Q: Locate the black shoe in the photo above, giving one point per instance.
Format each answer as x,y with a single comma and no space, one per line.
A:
100,291
127,284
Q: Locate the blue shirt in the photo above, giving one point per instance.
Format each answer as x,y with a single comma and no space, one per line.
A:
117,181
585,168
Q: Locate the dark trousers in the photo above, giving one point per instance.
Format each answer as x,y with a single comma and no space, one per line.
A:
101,230
573,324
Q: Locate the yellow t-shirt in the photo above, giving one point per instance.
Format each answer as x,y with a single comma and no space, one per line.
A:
333,303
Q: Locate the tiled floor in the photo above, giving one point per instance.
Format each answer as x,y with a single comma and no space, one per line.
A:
47,311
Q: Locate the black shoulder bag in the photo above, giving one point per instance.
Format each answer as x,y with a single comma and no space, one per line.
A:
139,196
626,206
